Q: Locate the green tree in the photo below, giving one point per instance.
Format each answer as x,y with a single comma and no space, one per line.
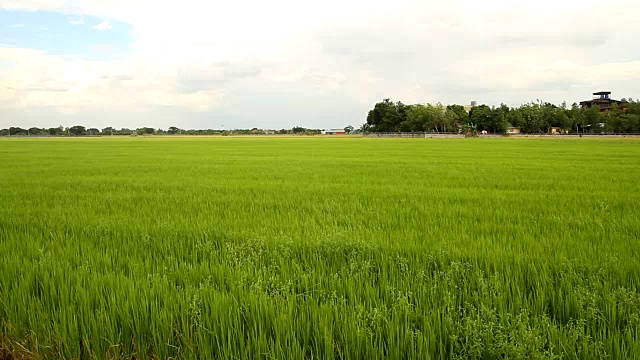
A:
417,118
515,118
631,123
481,117
592,119
387,116
34,131
375,117
533,122
145,131
499,122
439,118
456,115
425,118
612,119
575,117
17,131
77,130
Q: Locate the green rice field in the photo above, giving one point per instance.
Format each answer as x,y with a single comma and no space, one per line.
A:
319,248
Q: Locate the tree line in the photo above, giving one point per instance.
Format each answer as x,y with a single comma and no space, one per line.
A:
79,130
531,118
388,116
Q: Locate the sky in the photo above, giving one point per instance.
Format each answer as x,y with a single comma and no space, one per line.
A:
318,64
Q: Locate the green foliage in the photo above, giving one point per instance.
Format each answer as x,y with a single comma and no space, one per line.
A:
482,117
387,116
457,114
56,131
317,248
419,118
532,118
77,130
17,131
109,131
469,130
592,119
145,131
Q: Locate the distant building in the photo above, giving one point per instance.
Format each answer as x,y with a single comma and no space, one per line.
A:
468,108
554,130
333,132
513,130
603,100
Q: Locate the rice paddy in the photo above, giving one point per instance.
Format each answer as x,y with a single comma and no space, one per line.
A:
319,248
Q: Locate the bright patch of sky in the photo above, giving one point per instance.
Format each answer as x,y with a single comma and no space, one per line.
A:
57,33
319,64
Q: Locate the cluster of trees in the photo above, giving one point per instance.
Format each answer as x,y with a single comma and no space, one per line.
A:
55,131
108,131
63,131
387,116
532,118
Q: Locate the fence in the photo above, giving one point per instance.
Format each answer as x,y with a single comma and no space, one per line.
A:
413,134
459,135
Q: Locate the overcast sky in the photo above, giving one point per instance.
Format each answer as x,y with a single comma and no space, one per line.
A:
320,64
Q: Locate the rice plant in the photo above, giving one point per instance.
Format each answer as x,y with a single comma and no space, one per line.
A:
316,248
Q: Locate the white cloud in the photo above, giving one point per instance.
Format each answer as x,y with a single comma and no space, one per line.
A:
105,25
334,58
